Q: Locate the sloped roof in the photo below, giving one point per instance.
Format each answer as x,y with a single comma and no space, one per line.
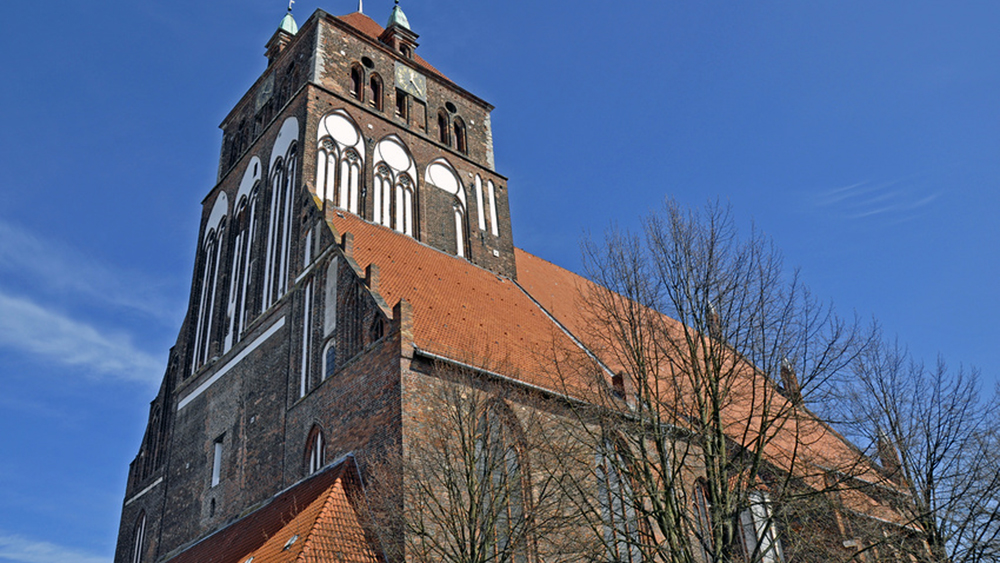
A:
806,438
373,30
460,311
323,514
465,313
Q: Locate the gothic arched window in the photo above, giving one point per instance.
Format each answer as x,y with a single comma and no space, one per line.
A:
382,194
443,127
330,359
460,143
211,257
282,184
138,539
246,219
617,500
404,204
479,203
315,451
498,462
357,80
460,237
395,186
280,226
702,517
493,208
340,161
375,85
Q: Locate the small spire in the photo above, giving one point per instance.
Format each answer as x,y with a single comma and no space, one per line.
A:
361,6
398,18
288,22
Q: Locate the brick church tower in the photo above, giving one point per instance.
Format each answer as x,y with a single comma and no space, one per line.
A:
349,154
354,254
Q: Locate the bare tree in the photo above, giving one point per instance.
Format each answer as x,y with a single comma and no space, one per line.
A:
475,484
709,350
936,438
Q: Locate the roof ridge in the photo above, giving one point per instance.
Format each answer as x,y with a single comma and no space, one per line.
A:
565,330
551,263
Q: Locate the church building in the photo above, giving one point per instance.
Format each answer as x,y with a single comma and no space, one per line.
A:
358,235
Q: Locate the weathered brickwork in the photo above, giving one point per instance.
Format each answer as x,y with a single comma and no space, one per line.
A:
287,338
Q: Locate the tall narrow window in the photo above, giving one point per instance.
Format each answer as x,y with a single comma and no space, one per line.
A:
503,491
375,83
621,530
460,144
404,205
401,105
330,359
479,203
459,231
493,208
443,128
759,539
382,193
217,460
350,179
307,334
703,518
282,188
211,258
138,539
283,182
207,307
243,251
326,169
315,456
307,250
357,79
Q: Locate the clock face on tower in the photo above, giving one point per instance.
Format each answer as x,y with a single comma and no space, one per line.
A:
411,81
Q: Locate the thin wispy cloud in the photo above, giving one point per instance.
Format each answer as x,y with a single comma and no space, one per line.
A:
54,337
23,550
897,199
58,268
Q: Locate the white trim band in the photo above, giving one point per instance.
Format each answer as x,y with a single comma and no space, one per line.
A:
144,491
231,363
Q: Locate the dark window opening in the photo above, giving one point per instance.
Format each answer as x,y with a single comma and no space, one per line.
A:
331,360
460,136
406,51
443,128
356,81
376,92
376,331
401,105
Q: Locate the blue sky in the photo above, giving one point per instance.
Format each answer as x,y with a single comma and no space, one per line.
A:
864,137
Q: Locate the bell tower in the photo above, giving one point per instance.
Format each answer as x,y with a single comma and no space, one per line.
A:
288,345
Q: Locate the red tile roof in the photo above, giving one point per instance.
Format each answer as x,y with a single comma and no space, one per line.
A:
373,30
323,514
466,313
562,293
460,311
